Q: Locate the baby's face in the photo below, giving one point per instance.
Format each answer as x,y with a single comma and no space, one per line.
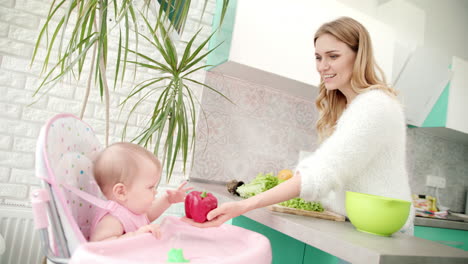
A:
142,191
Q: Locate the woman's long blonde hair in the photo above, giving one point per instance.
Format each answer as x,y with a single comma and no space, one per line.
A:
331,104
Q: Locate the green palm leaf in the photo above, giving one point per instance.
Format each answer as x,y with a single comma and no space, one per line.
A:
171,125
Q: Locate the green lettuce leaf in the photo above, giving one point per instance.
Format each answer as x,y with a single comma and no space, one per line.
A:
300,203
258,185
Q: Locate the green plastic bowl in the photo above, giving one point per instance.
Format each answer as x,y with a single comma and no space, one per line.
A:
376,215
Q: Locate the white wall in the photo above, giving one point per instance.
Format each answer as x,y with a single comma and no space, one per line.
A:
446,25
458,96
20,22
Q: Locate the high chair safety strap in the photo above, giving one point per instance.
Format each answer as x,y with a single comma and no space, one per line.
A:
88,197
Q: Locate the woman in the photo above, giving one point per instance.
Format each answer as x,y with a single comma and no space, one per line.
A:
361,126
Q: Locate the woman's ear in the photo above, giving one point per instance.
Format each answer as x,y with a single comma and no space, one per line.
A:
120,192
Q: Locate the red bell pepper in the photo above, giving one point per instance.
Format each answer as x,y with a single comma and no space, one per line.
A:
198,204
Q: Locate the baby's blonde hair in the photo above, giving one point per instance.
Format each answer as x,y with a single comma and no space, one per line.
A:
119,162
367,75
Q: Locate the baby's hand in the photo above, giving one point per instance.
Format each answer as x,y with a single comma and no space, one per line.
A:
151,228
178,195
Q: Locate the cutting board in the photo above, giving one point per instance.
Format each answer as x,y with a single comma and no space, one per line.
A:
323,215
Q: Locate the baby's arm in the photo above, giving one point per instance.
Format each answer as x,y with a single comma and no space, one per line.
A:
110,228
166,199
158,207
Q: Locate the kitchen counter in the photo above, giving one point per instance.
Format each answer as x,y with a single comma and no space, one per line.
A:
342,240
440,223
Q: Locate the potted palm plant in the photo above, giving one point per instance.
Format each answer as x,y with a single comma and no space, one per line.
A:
77,31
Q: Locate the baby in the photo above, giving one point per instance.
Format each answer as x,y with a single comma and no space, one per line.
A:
128,176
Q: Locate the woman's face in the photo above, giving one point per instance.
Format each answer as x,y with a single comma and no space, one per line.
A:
334,61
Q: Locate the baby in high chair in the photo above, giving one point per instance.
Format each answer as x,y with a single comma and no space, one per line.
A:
128,176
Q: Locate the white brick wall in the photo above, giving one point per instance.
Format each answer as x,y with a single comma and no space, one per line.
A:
20,122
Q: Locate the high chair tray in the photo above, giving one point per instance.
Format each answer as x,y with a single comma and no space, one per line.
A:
226,244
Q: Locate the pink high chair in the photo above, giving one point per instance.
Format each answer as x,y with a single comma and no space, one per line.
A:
69,198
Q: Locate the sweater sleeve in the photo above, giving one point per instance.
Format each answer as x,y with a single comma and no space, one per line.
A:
360,134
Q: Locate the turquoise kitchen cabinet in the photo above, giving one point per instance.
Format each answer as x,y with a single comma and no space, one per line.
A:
450,237
313,255
285,249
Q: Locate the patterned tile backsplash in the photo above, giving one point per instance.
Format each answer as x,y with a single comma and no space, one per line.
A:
432,155
261,130
264,130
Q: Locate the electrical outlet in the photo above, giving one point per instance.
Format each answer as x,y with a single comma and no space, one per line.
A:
435,181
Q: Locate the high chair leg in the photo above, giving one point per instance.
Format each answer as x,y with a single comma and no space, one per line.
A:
59,238
44,237
40,199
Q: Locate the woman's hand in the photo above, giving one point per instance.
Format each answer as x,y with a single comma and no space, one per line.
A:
151,228
220,215
177,195
282,192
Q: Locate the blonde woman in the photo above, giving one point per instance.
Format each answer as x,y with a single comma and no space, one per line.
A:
361,127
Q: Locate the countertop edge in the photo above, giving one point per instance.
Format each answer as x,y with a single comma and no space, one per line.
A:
304,229
440,223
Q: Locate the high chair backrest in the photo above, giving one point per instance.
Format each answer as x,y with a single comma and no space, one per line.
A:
69,149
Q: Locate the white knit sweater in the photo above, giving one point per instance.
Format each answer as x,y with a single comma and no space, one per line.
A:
365,154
